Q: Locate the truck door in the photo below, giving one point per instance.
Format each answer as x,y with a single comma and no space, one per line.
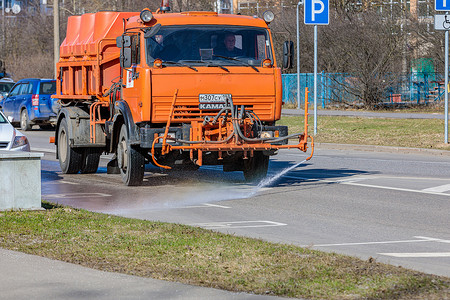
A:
46,90
8,105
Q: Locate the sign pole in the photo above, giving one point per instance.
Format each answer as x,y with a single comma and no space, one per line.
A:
55,35
446,87
298,56
315,79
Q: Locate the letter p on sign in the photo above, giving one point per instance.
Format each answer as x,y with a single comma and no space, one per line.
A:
316,12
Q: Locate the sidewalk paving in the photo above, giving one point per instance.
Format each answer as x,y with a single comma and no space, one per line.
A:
25,276
362,113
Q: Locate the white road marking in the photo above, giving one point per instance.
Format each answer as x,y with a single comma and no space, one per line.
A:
204,205
68,182
347,182
370,159
34,149
418,255
433,239
215,205
238,224
76,195
419,239
438,189
372,243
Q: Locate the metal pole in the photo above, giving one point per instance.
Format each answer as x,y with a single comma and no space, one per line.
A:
446,87
315,79
56,34
3,26
298,56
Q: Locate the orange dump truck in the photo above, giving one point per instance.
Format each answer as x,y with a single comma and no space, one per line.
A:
179,90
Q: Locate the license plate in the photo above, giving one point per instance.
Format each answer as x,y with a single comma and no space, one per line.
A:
214,98
213,101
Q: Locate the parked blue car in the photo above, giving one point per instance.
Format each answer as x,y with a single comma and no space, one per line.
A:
29,102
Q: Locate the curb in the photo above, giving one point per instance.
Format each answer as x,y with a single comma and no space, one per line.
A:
385,149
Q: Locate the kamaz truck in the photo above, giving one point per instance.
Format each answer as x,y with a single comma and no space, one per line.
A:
179,90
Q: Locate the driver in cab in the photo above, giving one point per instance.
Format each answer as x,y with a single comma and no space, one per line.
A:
228,48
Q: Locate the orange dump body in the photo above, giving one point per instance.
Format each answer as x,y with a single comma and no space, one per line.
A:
89,58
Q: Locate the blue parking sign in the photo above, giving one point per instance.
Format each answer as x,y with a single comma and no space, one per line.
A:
317,12
442,5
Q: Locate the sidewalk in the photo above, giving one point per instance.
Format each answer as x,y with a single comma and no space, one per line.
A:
365,114
24,276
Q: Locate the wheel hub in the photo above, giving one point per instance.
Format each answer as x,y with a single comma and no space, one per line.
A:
122,155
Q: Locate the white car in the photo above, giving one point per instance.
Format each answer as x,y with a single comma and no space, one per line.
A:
10,138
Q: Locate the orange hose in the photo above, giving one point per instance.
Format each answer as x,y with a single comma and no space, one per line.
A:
312,147
153,154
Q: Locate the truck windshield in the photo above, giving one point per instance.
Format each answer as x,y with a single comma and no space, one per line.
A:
215,45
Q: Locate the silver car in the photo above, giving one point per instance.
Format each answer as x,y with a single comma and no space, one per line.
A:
10,138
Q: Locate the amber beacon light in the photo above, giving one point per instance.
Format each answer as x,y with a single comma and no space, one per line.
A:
165,5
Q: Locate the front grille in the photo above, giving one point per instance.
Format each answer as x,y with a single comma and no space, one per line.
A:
3,145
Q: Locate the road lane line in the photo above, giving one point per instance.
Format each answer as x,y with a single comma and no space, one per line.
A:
216,205
432,239
68,182
373,243
367,185
238,224
76,195
418,255
438,189
35,149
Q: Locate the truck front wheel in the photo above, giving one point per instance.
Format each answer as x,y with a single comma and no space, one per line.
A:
130,161
70,159
255,168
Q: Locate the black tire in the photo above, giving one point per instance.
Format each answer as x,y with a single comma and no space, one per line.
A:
130,161
91,159
255,168
70,159
47,127
25,124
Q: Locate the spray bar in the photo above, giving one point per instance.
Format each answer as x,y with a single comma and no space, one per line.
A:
239,118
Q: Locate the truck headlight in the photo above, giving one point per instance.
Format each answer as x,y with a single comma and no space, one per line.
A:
266,134
268,16
146,15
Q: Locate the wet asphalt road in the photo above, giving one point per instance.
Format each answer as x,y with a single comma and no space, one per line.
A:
392,207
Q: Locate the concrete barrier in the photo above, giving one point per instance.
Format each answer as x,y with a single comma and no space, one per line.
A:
20,180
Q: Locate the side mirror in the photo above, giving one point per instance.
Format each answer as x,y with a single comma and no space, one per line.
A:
125,58
288,54
123,41
152,31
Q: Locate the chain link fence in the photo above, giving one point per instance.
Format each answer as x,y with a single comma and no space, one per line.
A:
335,89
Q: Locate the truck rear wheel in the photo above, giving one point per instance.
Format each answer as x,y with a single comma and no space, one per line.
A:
91,159
70,159
130,161
255,168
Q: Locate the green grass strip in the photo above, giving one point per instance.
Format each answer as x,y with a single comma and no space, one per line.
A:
202,257
415,133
